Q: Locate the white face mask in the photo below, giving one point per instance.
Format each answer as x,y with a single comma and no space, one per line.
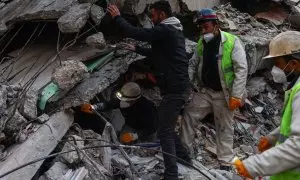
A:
208,37
278,75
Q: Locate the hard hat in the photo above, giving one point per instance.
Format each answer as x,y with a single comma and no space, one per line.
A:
286,43
129,92
205,14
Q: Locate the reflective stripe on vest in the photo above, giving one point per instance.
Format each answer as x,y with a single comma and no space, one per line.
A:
285,131
227,66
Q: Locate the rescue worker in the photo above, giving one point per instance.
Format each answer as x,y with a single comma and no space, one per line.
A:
218,71
280,150
169,60
140,114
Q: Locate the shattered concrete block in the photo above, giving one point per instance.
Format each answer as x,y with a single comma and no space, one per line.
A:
72,157
43,118
14,125
55,172
75,18
28,108
96,40
71,73
39,144
97,13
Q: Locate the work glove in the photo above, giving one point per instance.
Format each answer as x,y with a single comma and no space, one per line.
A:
128,137
87,108
265,143
234,103
239,166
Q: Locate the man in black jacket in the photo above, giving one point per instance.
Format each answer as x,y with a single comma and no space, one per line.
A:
169,59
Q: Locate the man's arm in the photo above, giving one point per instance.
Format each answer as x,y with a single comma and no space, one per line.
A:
282,157
143,51
141,34
240,68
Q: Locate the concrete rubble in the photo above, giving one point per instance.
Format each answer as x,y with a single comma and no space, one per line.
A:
75,18
70,74
28,132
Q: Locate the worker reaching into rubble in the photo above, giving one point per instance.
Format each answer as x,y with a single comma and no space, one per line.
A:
140,114
170,63
218,71
283,160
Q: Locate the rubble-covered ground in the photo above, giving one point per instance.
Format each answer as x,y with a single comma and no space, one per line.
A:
56,55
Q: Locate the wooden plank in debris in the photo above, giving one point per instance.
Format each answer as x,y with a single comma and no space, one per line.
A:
39,144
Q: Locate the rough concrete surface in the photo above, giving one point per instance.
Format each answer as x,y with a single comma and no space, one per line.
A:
21,10
198,4
71,73
97,13
28,108
96,41
72,157
3,96
39,144
56,172
15,124
75,18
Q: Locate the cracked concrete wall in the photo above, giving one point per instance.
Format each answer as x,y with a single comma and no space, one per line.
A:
198,4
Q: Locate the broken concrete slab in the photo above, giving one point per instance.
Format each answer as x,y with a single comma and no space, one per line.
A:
97,14
70,74
43,118
75,18
15,124
39,144
73,157
21,10
275,14
194,5
96,41
28,108
137,7
256,86
57,171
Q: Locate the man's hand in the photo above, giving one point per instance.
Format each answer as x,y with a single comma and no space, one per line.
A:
113,10
127,46
239,166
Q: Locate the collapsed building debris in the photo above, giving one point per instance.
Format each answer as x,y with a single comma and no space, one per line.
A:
93,65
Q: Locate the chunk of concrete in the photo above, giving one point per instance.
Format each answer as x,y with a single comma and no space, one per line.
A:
39,144
3,96
75,18
71,73
14,125
43,118
72,157
96,41
256,86
28,108
55,172
97,13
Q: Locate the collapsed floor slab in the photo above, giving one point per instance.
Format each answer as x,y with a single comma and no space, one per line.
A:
39,144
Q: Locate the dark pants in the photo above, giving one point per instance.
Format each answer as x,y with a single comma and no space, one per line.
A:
168,113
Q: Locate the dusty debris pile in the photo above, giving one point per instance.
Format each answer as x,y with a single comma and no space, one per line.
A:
67,61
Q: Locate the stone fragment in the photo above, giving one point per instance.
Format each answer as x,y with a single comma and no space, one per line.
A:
72,157
96,40
43,118
71,73
75,18
14,125
29,107
2,5
97,13
55,172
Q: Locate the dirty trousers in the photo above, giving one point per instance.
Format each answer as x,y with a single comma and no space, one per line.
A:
168,113
201,104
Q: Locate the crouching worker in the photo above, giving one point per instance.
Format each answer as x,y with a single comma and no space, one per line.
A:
140,114
280,150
